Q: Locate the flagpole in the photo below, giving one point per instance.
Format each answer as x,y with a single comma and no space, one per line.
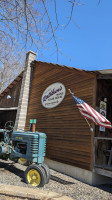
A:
91,129
70,91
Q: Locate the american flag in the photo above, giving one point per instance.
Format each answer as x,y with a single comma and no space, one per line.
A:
89,113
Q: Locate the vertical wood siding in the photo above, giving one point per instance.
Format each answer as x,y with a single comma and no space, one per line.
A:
69,139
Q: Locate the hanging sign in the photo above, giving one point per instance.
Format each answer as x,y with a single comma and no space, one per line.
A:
53,95
103,108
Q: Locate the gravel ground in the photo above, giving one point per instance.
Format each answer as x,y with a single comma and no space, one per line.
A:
3,197
13,173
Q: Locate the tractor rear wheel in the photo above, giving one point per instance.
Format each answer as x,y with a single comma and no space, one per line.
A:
35,176
23,161
47,172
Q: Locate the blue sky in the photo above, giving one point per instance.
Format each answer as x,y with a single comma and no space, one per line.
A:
87,45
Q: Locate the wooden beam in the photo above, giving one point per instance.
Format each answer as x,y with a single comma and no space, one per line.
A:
102,138
95,152
11,108
105,76
103,172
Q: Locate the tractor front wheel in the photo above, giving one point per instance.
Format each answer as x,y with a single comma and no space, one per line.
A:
35,176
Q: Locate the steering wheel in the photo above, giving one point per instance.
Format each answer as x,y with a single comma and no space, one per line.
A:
9,125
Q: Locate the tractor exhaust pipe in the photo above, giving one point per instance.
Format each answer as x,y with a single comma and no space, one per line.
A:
32,125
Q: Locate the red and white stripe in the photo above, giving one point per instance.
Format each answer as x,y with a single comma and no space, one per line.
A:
89,113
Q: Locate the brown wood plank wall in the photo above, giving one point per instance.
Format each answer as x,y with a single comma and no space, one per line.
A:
69,139
13,92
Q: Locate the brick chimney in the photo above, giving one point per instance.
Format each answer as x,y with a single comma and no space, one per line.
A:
24,93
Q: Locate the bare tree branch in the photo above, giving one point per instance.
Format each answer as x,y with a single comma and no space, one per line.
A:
51,27
24,23
99,2
70,14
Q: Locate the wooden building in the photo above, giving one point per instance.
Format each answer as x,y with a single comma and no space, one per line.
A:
71,146
9,99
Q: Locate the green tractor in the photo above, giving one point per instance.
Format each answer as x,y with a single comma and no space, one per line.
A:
26,147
